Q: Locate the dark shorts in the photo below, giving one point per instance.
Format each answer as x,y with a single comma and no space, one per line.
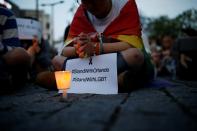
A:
135,77
12,77
3,69
4,77
147,69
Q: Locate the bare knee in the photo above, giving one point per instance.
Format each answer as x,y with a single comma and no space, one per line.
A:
18,56
58,62
133,56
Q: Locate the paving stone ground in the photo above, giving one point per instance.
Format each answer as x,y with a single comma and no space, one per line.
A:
151,109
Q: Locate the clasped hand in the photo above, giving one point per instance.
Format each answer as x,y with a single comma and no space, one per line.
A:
85,45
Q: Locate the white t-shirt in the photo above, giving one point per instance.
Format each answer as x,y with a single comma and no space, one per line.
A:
101,24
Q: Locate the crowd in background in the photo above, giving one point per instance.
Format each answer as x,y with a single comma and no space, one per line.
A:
175,57
161,52
21,60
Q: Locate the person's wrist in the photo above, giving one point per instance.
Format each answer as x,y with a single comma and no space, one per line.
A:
31,51
97,48
101,48
100,43
75,51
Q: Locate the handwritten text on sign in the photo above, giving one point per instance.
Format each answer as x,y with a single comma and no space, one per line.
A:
98,76
28,28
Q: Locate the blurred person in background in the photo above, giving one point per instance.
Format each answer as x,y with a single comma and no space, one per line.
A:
167,64
45,76
37,47
185,53
14,60
39,51
156,52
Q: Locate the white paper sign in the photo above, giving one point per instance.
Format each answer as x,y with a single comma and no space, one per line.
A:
98,76
28,28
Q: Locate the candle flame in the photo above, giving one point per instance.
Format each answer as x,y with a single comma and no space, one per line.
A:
63,79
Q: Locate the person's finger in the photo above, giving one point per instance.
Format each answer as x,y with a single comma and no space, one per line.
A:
81,43
184,64
84,37
77,46
81,34
84,40
81,55
78,51
183,61
35,40
82,48
187,58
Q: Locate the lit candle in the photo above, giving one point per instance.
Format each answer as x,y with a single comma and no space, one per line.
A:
63,80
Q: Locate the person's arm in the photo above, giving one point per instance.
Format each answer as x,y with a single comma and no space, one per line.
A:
69,51
10,32
104,48
115,47
87,46
9,36
34,49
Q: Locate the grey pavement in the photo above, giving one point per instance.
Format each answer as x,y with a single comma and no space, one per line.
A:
150,109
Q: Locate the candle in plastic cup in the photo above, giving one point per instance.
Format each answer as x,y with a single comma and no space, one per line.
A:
63,80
